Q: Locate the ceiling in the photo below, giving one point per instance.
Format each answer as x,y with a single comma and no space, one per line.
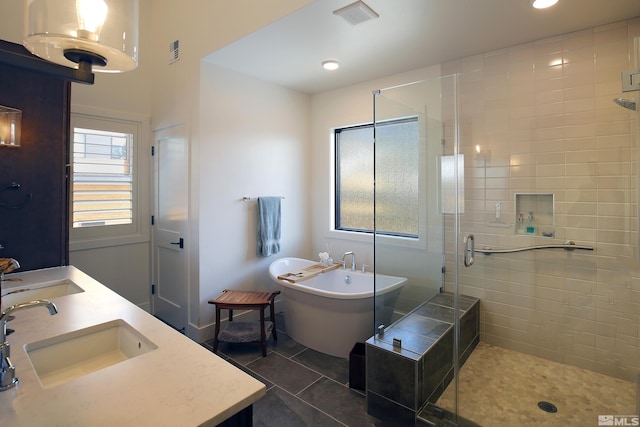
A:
409,34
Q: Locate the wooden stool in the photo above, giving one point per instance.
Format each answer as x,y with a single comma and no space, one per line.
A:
245,300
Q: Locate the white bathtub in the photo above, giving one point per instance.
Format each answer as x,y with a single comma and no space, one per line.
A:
332,311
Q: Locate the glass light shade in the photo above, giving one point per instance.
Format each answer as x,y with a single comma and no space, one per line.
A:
10,126
102,33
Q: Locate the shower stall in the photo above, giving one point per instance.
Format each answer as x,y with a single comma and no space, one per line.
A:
523,295
418,200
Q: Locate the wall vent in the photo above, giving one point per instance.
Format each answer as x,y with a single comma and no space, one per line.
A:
174,51
356,13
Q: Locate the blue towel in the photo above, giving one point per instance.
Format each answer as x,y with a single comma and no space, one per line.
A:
268,225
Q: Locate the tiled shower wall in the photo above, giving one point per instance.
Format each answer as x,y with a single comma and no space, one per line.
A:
539,118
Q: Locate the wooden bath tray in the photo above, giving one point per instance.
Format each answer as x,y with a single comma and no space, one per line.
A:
309,272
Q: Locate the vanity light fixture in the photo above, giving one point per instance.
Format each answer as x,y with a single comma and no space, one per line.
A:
90,35
330,65
10,126
542,4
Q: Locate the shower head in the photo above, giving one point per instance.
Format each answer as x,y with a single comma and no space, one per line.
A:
629,104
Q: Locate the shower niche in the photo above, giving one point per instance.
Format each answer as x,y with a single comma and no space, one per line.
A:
535,214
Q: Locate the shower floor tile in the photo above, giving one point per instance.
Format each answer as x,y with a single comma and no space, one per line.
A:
500,387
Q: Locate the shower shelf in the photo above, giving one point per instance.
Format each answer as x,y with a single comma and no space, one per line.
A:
568,246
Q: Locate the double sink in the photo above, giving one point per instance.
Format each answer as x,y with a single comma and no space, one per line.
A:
62,358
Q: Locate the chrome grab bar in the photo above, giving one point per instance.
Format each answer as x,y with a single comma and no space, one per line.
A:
569,245
469,249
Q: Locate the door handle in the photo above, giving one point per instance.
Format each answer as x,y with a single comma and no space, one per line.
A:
180,243
469,250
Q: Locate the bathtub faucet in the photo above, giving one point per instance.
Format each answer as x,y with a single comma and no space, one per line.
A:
353,260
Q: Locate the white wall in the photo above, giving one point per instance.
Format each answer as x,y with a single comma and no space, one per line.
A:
348,106
254,142
201,26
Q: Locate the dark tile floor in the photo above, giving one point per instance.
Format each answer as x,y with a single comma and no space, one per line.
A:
304,387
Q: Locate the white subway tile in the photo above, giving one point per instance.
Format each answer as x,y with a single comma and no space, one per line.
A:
555,129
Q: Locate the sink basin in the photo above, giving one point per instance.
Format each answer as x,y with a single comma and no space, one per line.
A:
63,358
45,290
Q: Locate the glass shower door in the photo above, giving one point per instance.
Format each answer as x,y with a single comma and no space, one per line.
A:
410,358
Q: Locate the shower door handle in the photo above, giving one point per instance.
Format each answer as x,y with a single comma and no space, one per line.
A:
469,249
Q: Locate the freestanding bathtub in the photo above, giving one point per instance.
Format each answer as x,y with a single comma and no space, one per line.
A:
332,311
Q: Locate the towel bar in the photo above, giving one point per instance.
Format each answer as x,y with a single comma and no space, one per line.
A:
246,198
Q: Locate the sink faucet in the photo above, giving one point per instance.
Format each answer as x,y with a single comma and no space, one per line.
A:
353,260
7,370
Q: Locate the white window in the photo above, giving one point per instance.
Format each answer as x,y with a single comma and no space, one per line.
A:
102,183
105,182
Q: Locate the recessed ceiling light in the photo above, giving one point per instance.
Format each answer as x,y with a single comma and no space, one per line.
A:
542,4
330,65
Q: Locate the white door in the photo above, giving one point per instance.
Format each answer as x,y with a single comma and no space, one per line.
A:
171,204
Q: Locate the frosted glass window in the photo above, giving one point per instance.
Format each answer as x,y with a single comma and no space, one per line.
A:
396,170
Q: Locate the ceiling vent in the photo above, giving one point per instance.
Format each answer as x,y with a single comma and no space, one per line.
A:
356,13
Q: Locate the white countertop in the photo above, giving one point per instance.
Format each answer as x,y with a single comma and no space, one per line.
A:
178,384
